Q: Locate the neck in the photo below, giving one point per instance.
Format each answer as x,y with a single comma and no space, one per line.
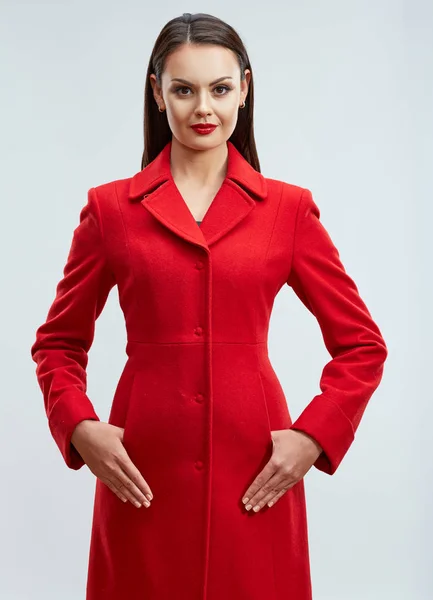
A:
202,168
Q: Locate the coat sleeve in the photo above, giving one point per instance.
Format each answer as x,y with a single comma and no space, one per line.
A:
351,337
62,343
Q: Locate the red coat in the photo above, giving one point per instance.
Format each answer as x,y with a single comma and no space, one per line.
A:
198,396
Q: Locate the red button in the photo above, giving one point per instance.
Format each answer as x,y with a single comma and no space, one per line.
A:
199,465
199,398
199,264
198,331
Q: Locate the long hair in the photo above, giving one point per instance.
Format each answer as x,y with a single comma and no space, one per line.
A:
198,28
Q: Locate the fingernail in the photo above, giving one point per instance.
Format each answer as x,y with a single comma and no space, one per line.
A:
256,508
149,496
248,506
245,500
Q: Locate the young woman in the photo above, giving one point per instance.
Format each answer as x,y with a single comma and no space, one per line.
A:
199,470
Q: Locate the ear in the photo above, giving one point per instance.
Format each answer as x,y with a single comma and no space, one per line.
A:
156,90
245,84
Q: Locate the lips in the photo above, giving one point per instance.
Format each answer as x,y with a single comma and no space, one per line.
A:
203,126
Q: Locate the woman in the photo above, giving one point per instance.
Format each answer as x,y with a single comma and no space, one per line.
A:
199,243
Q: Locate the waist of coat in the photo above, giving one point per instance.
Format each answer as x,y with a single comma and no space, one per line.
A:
190,349
133,343
179,355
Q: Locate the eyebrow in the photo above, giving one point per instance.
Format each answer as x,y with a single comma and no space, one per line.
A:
211,83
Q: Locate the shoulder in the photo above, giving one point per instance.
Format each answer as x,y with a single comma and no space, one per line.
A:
288,195
108,196
287,190
112,189
104,202
295,203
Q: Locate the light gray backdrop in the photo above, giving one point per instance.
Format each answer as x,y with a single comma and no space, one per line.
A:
344,97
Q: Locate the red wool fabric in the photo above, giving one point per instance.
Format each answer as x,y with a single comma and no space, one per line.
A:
198,396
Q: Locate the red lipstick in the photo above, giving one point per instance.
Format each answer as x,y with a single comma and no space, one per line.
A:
204,128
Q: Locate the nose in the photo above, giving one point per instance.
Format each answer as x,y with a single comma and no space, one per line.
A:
203,106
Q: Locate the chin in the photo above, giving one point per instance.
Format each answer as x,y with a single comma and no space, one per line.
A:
207,141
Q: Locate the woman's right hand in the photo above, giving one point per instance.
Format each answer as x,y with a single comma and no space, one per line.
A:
100,446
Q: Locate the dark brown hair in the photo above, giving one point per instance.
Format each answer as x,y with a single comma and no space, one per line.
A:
198,28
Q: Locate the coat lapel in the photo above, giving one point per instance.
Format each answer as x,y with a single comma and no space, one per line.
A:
155,189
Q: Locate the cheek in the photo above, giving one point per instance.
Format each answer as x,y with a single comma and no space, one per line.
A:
229,119
178,119
228,110
178,112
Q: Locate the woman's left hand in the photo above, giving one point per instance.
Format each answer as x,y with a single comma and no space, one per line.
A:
294,453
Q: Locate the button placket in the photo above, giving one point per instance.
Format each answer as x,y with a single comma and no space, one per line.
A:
198,331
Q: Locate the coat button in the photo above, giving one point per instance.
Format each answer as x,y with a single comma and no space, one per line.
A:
199,398
198,331
199,465
199,264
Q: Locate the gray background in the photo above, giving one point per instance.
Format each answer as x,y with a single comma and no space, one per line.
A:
344,97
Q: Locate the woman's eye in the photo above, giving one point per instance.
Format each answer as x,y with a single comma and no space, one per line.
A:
181,88
223,87
218,87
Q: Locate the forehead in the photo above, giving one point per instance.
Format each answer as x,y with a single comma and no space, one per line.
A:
201,63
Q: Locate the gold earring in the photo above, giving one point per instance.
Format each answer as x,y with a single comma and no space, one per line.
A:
242,105
160,110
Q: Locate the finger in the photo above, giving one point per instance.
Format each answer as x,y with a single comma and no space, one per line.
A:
271,498
113,488
264,476
135,476
281,493
277,489
128,487
270,487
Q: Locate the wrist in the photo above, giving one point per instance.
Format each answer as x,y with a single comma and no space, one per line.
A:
79,428
312,440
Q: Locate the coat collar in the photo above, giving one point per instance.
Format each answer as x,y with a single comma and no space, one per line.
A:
155,189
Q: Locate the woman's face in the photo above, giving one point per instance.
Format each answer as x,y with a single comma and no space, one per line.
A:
211,91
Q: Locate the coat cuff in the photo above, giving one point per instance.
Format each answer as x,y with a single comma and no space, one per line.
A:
70,409
324,421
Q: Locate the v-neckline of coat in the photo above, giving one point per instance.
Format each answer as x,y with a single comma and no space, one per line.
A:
157,191
180,195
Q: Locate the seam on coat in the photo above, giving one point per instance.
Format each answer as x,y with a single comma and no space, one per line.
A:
330,399
295,230
131,262
266,255
132,382
265,402
208,303
271,525
101,233
191,343
275,222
